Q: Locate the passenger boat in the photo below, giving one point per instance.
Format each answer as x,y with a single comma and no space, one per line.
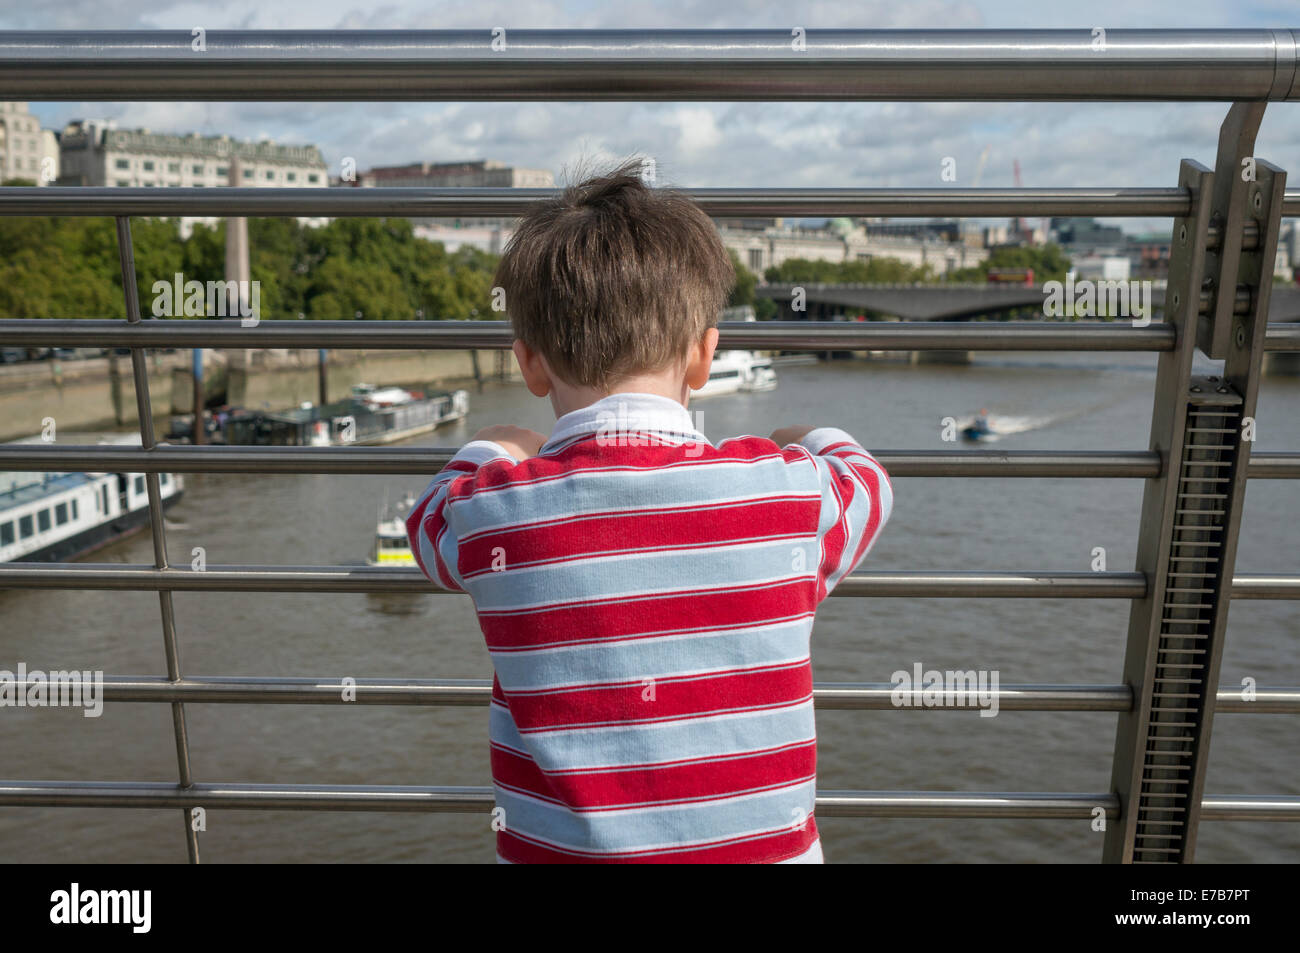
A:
50,517
734,371
369,416
392,546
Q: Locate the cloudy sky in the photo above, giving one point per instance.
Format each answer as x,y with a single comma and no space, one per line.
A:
711,144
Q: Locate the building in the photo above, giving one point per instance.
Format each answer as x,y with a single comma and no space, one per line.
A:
1083,236
96,153
1149,254
470,174
841,241
26,150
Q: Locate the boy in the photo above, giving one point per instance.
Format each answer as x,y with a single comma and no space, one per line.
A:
647,598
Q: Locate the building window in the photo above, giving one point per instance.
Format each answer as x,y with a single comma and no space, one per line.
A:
313,178
25,529
139,484
248,173
174,167
198,170
6,533
222,170
755,259
60,514
122,164
291,177
122,183
270,175
43,520
147,166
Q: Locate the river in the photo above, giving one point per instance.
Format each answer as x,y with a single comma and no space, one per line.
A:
1063,402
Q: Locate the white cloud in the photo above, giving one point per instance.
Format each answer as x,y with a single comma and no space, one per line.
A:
711,144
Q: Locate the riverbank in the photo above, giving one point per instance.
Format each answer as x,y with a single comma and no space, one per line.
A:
99,394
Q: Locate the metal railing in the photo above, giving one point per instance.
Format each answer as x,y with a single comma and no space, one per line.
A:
1225,234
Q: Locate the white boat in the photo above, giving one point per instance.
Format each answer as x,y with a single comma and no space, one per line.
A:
392,546
738,371
50,517
734,371
370,415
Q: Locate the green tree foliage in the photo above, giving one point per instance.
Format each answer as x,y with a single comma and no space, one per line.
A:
1050,263
873,271
69,268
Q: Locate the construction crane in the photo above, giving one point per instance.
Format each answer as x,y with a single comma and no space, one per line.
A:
979,168
1021,225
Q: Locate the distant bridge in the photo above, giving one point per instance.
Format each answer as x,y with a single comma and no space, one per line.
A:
956,302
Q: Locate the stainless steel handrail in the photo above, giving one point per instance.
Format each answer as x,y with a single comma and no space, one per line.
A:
786,335
507,202
462,800
1098,464
477,692
618,65
1003,585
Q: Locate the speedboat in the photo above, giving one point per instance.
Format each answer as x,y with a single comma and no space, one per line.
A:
979,428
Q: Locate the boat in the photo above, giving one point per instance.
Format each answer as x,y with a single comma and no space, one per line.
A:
734,371
738,371
51,517
979,428
370,415
392,546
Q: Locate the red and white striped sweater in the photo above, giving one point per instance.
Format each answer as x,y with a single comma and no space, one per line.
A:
647,599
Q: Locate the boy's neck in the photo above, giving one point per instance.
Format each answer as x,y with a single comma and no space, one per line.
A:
566,398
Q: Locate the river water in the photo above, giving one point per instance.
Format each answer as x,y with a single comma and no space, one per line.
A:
1062,401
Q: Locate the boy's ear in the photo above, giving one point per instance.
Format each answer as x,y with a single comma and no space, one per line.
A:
700,360
537,377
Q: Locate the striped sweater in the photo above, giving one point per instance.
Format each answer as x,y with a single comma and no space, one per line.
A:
647,599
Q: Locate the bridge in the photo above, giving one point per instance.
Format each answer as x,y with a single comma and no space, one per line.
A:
1195,470
955,302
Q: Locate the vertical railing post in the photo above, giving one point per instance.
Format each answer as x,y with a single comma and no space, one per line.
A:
1191,514
126,255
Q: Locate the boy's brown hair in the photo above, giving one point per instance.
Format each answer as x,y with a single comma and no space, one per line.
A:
612,278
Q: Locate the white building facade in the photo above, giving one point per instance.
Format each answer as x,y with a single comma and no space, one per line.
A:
760,249
26,150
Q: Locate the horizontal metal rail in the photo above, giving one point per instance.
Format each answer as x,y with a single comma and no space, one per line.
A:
415,460
620,65
879,584
414,202
785,335
477,692
993,585
770,335
1058,464
474,800
508,203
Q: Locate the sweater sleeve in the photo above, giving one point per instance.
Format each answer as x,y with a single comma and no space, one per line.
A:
857,499
429,524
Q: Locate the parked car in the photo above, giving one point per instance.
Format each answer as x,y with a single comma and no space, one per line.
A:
12,355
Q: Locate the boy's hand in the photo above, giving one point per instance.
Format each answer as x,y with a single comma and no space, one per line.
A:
520,442
788,435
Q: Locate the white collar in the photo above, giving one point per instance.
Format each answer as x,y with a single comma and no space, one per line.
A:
629,412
